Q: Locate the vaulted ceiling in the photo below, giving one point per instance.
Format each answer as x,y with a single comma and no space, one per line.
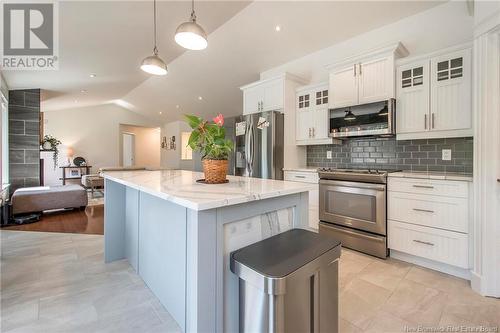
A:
111,38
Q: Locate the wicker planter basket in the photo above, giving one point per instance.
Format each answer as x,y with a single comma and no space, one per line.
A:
215,171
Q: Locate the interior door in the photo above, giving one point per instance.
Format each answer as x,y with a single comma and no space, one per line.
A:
451,100
412,102
128,154
344,87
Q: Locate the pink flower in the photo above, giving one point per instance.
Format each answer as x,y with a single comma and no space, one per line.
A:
219,120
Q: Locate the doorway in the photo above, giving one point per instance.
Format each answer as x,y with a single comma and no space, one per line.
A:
128,154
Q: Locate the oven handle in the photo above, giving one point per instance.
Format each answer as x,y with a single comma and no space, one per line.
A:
378,187
357,233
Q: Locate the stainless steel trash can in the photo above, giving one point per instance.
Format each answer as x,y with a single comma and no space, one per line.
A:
288,283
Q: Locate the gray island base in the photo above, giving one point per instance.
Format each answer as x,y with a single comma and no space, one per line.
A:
177,235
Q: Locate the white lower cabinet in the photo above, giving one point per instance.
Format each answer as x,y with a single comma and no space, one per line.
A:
431,243
430,219
312,178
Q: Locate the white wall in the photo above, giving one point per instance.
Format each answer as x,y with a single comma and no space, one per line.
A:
93,132
439,27
172,158
147,145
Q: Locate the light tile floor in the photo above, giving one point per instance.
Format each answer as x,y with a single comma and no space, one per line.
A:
58,283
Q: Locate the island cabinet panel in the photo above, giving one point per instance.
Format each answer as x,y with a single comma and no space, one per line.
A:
132,227
114,228
162,252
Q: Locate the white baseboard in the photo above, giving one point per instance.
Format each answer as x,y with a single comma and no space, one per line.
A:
476,282
427,263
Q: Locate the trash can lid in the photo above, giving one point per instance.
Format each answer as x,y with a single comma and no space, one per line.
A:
283,254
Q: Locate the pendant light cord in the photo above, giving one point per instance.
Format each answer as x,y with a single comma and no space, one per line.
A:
155,49
193,15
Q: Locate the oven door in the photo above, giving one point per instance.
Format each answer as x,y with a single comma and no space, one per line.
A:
351,204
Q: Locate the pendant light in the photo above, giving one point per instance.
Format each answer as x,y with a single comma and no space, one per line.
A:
153,64
349,116
190,35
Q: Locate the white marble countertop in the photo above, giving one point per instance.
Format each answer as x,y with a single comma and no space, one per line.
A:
180,187
433,175
302,169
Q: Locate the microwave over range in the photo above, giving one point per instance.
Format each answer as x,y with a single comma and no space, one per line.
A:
374,119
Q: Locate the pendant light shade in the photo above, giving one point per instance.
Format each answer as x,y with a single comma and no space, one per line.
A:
153,64
190,35
349,116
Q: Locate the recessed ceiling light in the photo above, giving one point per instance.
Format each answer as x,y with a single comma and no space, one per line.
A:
177,106
159,112
83,91
200,98
92,75
277,28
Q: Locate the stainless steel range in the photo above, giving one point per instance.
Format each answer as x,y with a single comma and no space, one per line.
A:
353,208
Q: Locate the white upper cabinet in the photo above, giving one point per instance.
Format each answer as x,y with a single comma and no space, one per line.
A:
413,97
376,80
303,111
346,87
252,98
273,95
434,96
451,91
366,78
266,95
313,121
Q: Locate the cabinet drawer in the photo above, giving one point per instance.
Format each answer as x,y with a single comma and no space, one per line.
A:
303,177
429,210
440,245
451,188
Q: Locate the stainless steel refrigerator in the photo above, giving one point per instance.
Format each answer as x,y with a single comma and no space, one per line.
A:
259,145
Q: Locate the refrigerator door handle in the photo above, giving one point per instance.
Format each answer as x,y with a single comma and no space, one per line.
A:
251,149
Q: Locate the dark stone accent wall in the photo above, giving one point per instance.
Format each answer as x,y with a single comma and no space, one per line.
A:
387,153
24,138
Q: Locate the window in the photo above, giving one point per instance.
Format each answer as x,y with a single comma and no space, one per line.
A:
186,151
4,140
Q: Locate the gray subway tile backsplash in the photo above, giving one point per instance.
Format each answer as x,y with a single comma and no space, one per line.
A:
387,153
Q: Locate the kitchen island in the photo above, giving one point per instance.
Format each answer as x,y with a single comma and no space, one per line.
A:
177,234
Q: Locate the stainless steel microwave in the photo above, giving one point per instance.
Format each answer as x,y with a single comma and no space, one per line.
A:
374,119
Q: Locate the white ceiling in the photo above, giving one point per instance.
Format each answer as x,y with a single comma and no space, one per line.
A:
111,38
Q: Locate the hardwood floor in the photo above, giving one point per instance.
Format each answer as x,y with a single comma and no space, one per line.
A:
90,221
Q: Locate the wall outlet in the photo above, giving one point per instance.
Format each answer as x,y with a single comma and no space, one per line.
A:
446,155
329,154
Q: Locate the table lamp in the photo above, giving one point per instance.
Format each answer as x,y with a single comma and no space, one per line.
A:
70,154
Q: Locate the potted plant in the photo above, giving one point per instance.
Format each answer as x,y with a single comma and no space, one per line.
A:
209,138
50,143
